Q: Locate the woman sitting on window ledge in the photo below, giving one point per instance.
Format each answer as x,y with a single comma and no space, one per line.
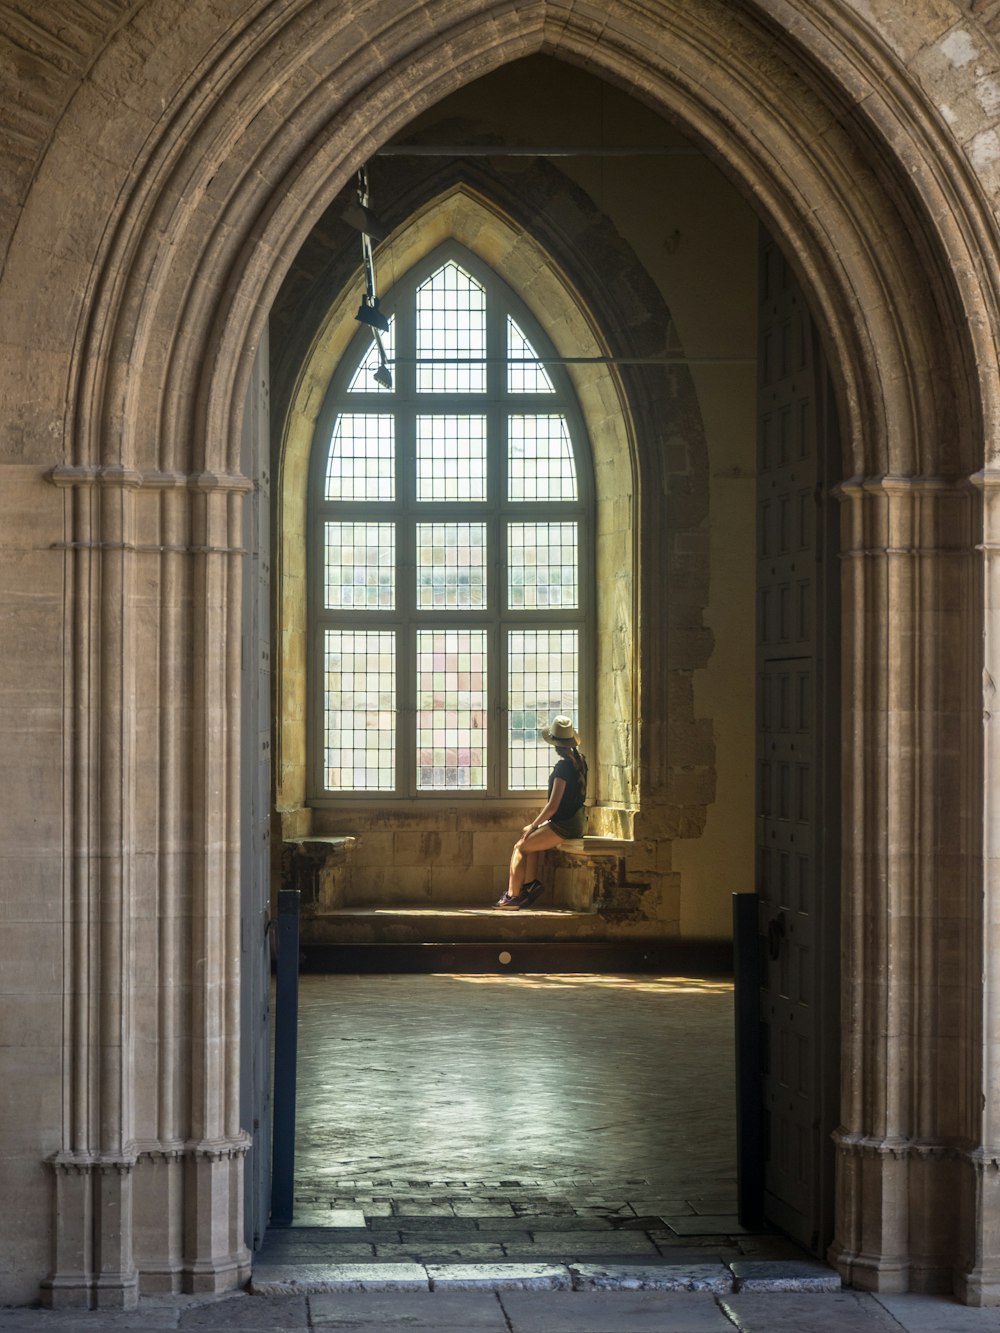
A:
563,816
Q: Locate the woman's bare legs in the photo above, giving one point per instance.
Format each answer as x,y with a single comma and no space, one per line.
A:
524,858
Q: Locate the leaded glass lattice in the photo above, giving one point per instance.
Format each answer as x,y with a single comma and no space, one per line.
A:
363,380
451,326
525,373
543,668
449,519
540,463
361,566
542,566
360,464
452,709
451,566
451,458
359,687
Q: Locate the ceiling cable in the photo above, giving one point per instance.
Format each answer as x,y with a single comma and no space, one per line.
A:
519,150
573,361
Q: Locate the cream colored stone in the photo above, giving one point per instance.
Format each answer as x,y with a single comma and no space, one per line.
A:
156,212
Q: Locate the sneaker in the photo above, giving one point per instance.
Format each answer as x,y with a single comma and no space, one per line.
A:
531,891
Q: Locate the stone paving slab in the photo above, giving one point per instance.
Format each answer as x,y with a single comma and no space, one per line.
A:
280,1279
336,1218
938,1314
662,1277
25,1320
359,1311
787,1312
440,1254
244,1312
614,1312
523,1277
522,1311
702,1225
574,1243
783,1275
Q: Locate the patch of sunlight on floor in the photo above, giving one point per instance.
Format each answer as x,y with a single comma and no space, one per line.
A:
602,981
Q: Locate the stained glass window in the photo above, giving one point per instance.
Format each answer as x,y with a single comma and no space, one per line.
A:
543,668
542,565
451,566
452,583
361,566
451,710
360,710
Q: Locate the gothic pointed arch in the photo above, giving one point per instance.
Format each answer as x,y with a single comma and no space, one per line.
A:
176,166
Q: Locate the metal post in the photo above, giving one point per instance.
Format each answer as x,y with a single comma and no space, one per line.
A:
286,1037
750,1138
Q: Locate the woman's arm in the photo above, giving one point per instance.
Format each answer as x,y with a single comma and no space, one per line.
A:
551,805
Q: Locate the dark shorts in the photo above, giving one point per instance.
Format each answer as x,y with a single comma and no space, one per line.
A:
573,827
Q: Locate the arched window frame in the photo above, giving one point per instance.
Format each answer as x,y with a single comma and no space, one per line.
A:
497,404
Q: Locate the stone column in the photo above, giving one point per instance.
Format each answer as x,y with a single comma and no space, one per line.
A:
978,1276
152,965
910,715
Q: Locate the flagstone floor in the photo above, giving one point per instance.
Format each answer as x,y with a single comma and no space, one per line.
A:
484,1118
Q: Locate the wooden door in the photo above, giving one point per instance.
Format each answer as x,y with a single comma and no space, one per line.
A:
255,1081
797,800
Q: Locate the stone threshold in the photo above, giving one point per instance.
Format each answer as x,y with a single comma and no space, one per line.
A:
744,1275
508,953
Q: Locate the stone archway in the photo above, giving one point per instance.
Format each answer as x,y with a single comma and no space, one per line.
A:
176,192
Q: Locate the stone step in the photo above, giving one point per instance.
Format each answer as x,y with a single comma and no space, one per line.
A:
413,923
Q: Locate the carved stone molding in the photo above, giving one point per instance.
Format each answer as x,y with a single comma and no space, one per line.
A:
899,1149
126,478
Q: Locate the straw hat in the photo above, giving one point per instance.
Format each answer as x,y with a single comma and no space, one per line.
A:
560,732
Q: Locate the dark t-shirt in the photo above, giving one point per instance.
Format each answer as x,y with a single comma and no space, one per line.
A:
572,797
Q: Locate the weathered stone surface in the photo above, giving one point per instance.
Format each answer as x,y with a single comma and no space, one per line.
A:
640,1277
783,1275
499,1277
298,1279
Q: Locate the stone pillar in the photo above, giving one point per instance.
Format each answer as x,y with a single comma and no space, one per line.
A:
911,657
978,1276
152,966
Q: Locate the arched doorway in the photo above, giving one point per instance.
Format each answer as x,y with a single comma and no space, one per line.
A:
890,258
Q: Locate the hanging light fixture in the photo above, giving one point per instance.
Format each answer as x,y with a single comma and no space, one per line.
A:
368,311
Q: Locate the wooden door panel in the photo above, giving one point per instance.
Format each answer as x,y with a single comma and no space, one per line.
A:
794,865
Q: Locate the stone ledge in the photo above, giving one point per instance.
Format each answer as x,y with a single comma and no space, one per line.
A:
790,1275
783,1275
591,846
715,1278
302,1279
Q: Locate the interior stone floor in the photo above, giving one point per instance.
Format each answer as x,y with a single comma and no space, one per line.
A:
485,1118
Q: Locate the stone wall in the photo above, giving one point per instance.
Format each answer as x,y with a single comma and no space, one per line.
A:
163,164
659,480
